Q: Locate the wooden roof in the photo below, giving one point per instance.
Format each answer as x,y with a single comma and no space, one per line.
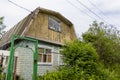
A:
19,28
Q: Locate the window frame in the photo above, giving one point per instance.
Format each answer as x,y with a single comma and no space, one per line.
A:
42,62
54,28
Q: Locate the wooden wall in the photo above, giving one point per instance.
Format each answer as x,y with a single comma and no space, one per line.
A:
39,29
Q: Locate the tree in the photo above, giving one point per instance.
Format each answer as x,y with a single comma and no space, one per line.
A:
106,40
2,27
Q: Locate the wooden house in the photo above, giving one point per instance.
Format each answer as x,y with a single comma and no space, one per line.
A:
51,29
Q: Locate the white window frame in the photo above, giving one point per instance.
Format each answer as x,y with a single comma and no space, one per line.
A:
46,63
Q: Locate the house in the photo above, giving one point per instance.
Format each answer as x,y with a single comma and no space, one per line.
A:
51,29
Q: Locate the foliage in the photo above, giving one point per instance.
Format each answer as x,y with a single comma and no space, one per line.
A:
77,53
2,27
81,63
115,69
1,20
2,75
106,40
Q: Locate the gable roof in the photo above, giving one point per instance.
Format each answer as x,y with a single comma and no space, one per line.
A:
19,28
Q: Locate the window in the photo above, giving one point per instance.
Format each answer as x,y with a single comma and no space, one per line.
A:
54,24
44,55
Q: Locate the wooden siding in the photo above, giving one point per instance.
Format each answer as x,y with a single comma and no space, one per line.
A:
39,29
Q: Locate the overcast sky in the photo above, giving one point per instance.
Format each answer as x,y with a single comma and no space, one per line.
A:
106,10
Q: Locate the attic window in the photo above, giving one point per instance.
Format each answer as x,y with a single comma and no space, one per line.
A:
54,24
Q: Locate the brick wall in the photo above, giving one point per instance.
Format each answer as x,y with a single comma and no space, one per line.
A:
25,63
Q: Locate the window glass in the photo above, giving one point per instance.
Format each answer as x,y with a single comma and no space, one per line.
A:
54,24
48,50
41,50
39,57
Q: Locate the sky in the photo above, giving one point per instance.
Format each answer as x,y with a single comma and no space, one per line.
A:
107,11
